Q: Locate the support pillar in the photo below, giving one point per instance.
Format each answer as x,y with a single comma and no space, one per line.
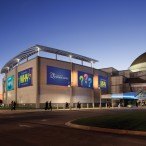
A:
82,62
99,97
112,103
56,57
16,83
37,82
71,87
6,97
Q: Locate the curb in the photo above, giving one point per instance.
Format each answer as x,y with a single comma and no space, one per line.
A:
106,130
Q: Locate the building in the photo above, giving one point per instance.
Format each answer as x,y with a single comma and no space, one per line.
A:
129,85
1,96
138,75
31,80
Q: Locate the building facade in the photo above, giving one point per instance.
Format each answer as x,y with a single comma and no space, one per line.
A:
31,81
41,79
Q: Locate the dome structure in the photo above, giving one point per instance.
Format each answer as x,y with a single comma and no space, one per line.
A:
139,64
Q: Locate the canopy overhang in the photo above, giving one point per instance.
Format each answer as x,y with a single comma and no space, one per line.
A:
36,49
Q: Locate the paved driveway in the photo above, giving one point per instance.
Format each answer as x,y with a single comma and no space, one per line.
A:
40,128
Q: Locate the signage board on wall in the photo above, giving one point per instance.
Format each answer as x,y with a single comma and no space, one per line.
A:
103,83
85,80
58,76
10,83
25,78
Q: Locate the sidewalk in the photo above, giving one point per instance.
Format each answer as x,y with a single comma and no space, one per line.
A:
8,111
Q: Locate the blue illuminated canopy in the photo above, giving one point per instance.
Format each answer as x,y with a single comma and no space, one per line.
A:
128,95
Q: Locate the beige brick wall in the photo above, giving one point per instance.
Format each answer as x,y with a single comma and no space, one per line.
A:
11,95
84,95
62,94
28,94
117,89
57,94
116,80
117,84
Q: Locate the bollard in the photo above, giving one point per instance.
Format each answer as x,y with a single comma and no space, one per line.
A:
112,103
57,106
87,105
106,105
93,105
70,107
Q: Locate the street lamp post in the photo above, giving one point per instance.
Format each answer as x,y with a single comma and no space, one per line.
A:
71,90
99,97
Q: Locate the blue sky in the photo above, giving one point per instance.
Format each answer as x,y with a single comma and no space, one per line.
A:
112,31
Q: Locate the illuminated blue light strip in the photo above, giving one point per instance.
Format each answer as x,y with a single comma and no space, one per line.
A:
129,95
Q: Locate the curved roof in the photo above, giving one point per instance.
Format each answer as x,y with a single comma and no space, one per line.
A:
140,59
35,49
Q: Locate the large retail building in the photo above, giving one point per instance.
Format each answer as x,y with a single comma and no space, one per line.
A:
31,80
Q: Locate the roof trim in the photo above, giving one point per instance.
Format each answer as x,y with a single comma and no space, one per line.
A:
139,59
35,49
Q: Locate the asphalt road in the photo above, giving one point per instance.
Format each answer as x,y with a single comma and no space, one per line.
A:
46,128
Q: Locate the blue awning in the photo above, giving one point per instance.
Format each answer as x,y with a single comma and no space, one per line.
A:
128,95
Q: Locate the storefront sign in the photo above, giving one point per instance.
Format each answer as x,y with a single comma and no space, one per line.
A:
103,82
25,78
58,76
85,80
10,83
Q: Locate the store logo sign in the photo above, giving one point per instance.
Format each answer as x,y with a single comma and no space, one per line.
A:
85,80
58,76
10,83
103,82
25,78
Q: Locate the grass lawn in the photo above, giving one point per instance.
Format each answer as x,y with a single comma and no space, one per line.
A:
135,120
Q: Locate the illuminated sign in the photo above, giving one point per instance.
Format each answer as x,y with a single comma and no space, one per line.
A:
10,83
25,78
103,82
58,76
85,80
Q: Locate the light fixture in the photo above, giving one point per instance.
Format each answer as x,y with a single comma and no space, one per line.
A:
7,68
17,59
